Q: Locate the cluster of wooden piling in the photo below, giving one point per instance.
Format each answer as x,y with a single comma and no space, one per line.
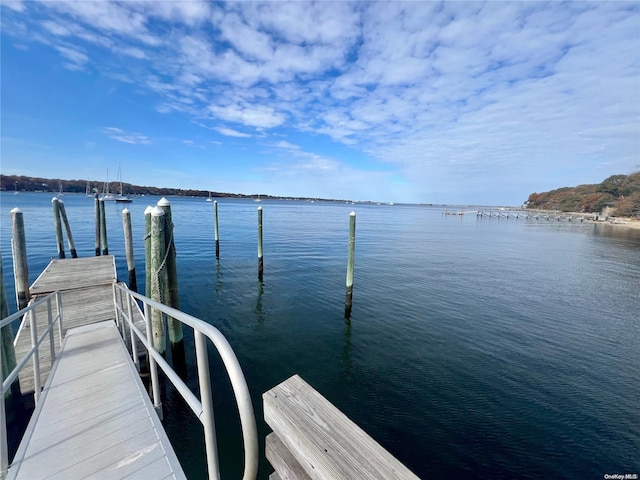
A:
160,260
499,214
350,256
59,218
162,276
102,246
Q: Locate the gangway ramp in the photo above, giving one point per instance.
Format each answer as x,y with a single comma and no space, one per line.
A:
94,418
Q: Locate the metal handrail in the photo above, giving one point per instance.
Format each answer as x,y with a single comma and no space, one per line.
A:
203,407
33,352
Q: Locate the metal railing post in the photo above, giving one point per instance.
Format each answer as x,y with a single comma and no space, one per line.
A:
124,317
115,307
52,346
59,315
208,420
36,356
134,346
153,367
4,444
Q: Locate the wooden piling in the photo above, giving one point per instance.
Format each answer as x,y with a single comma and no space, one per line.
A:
8,358
20,267
147,251
128,248
104,248
58,226
217,237
172,297
350,265
96,200
260,259
67,227
158,272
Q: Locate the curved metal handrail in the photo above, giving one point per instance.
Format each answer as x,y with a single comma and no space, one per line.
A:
203,408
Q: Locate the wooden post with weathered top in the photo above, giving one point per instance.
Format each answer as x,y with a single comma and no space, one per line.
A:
97,215
147,251
350,265
8,357
20,267
157,280
104,247
171,296
260,259
217,237
58,226
128,248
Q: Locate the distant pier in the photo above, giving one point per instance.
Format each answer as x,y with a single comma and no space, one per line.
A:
527,214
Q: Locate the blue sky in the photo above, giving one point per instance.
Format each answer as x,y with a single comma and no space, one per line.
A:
425,102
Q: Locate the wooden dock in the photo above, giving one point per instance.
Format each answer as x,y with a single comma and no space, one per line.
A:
86,287
94,418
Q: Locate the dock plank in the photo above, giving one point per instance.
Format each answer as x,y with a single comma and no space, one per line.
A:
70,273
119,436
322,439
282,460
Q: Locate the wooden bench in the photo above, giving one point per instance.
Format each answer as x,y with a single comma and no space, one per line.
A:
312,439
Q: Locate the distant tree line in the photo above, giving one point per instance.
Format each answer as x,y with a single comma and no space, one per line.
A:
621,192
55,185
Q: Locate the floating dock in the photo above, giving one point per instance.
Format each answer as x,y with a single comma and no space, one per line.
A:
86,290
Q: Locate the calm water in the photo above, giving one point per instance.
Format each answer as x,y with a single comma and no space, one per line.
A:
478,348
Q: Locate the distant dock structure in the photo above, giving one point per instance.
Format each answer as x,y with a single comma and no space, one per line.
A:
515,213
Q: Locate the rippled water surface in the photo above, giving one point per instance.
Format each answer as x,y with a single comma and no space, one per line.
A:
478,348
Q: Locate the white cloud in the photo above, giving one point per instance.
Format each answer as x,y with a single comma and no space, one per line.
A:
229,132
253,116
190,12
110,17
132,52
286,145
126,137
16,5
76,58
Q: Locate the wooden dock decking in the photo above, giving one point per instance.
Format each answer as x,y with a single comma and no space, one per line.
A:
312,439
86,286
94,418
